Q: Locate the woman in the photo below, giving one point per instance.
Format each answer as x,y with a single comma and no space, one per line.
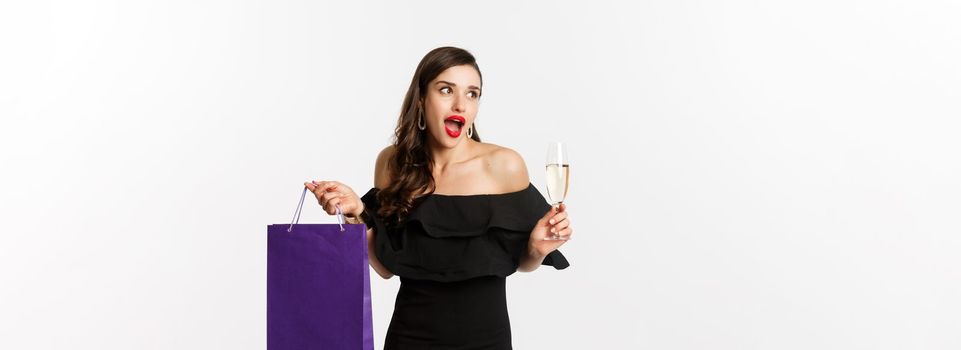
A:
449,214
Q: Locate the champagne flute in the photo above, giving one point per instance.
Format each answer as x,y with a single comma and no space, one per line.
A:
558,176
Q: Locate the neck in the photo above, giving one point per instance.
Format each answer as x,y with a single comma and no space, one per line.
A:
446,156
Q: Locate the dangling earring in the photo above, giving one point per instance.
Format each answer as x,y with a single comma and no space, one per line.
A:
421,124
470,131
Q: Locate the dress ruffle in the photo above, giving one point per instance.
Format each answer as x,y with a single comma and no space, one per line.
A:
450,238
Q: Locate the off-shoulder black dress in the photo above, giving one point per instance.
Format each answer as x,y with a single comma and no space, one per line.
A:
453,254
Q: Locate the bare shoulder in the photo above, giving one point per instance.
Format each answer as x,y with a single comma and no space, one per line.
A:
381,173
508,168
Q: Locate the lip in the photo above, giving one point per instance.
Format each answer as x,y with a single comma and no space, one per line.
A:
454,133
455,117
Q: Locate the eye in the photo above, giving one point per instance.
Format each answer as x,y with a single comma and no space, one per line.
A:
473,94
445,90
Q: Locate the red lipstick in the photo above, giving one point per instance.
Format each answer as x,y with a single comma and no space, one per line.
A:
453,125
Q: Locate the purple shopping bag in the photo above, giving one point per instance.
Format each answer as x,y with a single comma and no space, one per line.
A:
318,286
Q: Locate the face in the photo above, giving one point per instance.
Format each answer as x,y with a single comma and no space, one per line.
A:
450,104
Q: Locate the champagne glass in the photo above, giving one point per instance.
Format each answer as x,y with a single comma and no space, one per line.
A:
558,176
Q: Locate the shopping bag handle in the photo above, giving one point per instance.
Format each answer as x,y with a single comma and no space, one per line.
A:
300,208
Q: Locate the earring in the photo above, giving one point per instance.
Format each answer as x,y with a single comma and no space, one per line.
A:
470,131
421,124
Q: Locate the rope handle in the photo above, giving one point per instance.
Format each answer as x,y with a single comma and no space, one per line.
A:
300,207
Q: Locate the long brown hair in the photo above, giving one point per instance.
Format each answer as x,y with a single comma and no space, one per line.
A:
411,165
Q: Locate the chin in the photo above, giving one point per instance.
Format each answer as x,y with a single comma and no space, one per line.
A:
452,142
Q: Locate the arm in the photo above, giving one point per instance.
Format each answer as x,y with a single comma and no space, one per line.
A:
512,170
331,194
531,261
372,258
381,180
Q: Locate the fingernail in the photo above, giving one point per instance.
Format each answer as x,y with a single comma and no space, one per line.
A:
552,221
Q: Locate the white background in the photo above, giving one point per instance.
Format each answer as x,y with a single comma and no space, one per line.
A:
746,175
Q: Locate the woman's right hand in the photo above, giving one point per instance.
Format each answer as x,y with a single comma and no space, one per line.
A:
332,193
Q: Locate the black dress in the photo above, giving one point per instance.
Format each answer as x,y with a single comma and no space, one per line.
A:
453,254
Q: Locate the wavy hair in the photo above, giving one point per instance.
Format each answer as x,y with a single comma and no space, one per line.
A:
411,165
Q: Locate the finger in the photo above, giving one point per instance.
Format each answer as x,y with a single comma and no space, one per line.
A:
316,185
562,225
331,207
331,195
319,194
343,204
562,207
326,197
324,185
566,233
545,221
329,186
339,187
558,217
310,186
550,213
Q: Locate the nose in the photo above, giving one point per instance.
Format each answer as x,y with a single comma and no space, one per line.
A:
458,105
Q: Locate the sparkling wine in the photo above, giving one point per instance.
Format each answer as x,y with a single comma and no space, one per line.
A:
557,181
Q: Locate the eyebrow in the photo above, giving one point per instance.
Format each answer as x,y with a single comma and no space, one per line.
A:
452,84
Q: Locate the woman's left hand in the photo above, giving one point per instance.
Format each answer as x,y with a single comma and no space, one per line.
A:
555,220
